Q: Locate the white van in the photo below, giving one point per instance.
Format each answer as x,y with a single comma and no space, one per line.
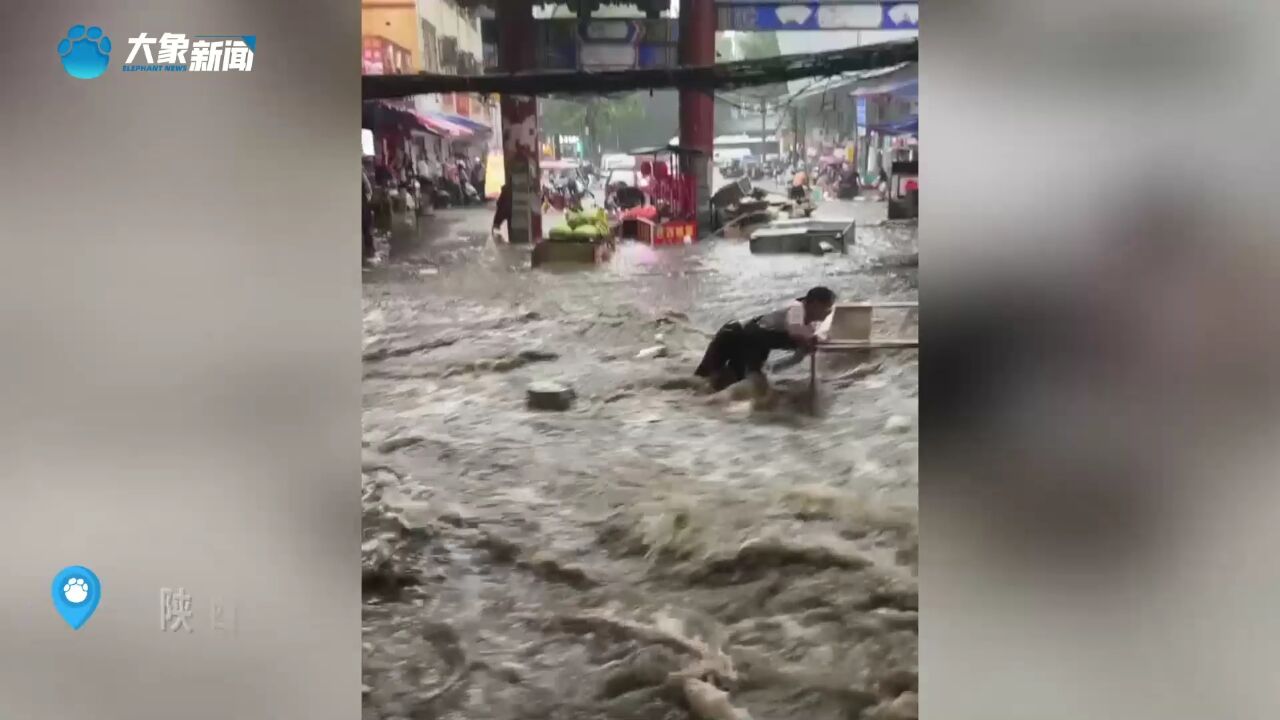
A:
617,161
723,156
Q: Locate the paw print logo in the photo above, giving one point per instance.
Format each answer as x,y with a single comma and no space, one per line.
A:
76,590
85,52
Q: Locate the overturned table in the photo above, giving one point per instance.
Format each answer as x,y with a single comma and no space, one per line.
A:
849,330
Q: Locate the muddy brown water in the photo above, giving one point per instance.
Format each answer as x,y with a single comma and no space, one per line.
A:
651,543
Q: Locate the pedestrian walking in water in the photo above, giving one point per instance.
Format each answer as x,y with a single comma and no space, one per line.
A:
740,349
502,213
477,176
367,251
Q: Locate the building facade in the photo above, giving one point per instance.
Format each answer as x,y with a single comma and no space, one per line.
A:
393,22
435,36
452,45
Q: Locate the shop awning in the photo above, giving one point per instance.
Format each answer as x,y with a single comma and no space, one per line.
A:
904,82
472,125
852,82
906,88
380,115
907,126
668,148
443,126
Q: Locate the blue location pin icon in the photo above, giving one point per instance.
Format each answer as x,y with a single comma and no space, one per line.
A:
76,594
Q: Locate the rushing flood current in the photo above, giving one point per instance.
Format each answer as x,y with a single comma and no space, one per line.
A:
651,553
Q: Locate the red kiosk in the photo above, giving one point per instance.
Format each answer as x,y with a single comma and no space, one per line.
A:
670,215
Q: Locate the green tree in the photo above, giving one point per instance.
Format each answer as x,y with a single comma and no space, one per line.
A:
597,120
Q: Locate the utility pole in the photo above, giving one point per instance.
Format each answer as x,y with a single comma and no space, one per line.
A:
764,125
798,130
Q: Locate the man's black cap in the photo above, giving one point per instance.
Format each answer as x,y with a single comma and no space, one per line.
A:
819,294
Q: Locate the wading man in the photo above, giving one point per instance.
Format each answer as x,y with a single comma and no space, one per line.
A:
502,213
368,251
739,350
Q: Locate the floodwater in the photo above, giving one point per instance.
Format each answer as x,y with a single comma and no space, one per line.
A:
651,553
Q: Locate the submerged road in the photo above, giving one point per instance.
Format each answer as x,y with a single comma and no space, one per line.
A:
523,564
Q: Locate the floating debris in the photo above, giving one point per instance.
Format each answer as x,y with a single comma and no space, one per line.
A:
549,396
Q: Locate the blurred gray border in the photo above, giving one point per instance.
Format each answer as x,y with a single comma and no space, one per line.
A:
181,400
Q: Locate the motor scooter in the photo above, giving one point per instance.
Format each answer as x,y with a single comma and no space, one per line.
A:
566,195
847,187
470,195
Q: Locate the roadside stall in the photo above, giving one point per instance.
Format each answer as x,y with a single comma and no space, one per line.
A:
904,172
395,188
669,215
584,238
904,190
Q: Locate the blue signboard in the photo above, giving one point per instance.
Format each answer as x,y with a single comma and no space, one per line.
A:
862,112
769,17
608,43
900,16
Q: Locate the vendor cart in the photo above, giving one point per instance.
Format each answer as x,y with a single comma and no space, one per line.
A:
548,252
669,216
904,183
568,244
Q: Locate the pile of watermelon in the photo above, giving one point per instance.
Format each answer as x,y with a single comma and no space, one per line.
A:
582,227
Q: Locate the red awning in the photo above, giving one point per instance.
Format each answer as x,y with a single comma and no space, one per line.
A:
381,115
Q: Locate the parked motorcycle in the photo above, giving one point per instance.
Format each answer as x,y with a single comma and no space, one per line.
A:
620,197
470,195
848,187
562,196
433,193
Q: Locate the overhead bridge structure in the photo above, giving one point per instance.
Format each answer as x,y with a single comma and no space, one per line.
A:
589,54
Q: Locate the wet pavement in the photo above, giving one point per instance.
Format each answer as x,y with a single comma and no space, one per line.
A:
651,548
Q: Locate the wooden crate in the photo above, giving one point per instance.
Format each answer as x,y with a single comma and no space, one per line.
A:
570,253
854,321
849,332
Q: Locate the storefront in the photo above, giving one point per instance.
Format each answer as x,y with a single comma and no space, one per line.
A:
399,137
888,120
